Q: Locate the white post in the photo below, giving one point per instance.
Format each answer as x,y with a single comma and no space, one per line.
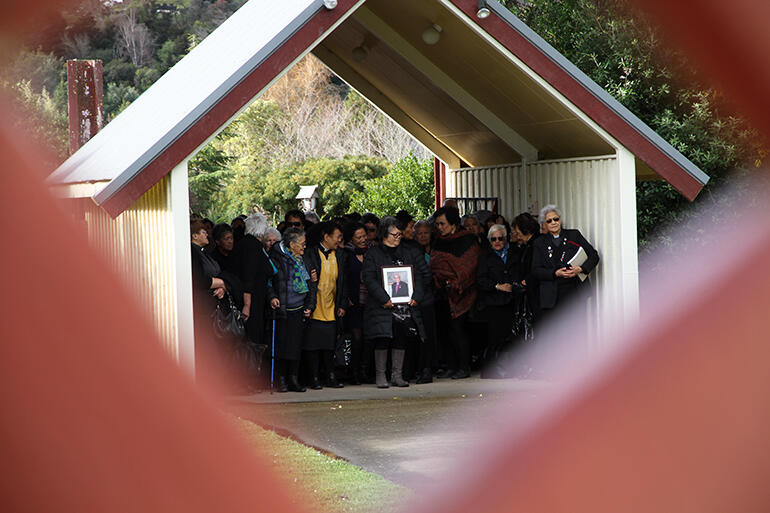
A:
180,227
629,251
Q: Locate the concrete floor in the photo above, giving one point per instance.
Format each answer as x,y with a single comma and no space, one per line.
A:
408,435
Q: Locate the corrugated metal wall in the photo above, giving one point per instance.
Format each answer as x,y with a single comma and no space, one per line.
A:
138,245
585,189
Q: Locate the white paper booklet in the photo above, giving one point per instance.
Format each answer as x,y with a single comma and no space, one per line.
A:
578,260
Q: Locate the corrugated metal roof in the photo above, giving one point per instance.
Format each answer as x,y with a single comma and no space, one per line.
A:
185,93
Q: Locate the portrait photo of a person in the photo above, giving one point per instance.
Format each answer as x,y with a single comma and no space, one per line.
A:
399,288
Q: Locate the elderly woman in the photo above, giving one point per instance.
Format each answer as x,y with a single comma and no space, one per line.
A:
205,269
270,238
208,286
499,288
561,260
292,295
453,261
329,265
387,332
254,270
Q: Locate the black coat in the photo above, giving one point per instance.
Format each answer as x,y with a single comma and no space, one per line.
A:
491,271
527,274
253,266
547,258
313,262
254,270
429,296
378,320
278,287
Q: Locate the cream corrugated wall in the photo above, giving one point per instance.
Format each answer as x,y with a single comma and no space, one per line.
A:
138,245
585,189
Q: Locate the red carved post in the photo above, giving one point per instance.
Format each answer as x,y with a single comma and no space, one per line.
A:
439,180
85,95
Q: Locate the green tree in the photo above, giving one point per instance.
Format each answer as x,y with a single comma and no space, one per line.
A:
274,189
408,186
209,174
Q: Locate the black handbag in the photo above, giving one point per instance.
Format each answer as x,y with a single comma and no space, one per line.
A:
227,320
402,315
342,351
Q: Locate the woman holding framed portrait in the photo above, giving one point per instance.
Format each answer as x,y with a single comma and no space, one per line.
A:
393,274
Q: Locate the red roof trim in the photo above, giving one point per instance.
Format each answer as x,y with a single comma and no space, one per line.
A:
575,92
225,109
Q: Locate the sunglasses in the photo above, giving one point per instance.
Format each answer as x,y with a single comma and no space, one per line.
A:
552,220
497,239
295,223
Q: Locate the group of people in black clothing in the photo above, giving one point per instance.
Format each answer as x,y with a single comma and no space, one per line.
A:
315,294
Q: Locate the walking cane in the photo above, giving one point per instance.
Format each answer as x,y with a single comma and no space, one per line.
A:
272,359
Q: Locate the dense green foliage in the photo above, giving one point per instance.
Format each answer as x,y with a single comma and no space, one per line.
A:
274,189
408,186
622,52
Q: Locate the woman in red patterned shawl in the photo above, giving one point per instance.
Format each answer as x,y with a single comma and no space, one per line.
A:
453,261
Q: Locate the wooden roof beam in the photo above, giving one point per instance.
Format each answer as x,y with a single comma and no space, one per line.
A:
446,83
387,106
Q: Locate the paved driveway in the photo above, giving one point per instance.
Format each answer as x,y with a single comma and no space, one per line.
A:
410,436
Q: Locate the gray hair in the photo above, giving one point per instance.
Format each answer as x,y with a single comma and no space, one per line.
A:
549,208
272,231
312,217
469,216
292,234
421,223
497,228
256,225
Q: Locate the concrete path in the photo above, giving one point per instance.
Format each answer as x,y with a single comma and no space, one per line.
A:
408,435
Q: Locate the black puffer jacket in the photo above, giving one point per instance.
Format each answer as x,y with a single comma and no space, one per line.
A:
378,321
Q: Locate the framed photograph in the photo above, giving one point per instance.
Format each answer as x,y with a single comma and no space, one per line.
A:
398,282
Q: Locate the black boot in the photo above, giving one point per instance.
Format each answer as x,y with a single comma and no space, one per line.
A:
281,386
425,376
331,381
315,383
294,385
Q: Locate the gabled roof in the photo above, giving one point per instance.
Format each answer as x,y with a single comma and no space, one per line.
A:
307,192
489,92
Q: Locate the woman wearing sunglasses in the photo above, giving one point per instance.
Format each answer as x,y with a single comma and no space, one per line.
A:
561,260
496,279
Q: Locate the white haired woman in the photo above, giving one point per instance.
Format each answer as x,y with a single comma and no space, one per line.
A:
561,260
292,295
254,269
497,280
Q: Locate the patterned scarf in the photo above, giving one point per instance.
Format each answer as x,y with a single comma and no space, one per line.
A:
299,275
503,253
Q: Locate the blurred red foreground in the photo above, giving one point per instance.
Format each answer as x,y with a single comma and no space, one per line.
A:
96,418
